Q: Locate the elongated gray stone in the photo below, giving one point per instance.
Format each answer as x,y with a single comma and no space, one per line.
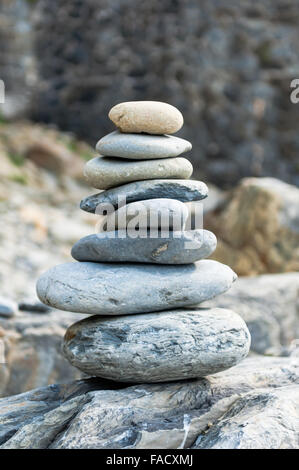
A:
118,289
182,190
178,248
158,347
141,146
106,172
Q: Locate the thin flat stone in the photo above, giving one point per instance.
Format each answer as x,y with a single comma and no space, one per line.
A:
158,347
106,172
182,190
178,248
119,289
141,146
153,117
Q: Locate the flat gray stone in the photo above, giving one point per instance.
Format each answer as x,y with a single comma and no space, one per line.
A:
164,214
182,190
119,289
158,347
178,248
106,172
141,146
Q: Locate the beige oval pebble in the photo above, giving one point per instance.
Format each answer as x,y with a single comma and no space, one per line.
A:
105,172
152,117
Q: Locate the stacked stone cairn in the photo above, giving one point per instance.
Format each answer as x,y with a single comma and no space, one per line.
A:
142,292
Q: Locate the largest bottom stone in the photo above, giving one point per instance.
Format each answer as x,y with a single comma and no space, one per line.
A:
158,347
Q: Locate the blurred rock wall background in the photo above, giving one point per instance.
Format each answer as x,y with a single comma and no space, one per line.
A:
226,65
17,60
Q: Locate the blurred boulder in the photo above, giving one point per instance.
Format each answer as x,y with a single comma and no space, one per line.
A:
257,227
32,351
253,405
54,157
8,307
226,66
25,147
269,304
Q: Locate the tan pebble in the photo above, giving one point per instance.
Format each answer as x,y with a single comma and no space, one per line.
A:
151,117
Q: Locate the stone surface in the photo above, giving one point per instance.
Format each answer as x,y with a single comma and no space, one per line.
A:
100,414
165,214
182,190
158,347
275,412
152,117
32,351
8,308
188,247
141,146
269,304
258,227
105,172
117,289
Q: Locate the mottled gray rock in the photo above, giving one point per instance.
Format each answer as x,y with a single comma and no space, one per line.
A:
107,172
141,146
152,117
118,289
182,190
94,414
164,214
188,247
262,419
158,347
269,305
32,351
8,307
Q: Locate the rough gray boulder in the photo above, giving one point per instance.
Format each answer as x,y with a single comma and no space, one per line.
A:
256,402
269,304
158,347
119,289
